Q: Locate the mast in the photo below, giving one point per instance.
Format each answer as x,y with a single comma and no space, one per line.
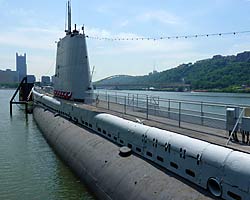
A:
68,15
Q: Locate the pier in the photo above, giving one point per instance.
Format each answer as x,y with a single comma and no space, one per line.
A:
23,94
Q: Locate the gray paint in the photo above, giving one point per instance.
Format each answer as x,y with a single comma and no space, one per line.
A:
72,67
97,161
110,176
198,161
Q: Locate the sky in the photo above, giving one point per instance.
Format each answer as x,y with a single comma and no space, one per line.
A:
33,27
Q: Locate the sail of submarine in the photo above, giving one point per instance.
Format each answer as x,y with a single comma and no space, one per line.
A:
72,76
223,171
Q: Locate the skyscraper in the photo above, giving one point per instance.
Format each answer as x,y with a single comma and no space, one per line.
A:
21,66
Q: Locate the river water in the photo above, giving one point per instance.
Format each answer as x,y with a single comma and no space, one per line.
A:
29,169
223,98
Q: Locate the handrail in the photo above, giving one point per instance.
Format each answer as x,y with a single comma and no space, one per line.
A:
237,122
176,100
205,114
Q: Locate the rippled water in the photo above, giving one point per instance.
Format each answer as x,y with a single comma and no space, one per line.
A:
29,169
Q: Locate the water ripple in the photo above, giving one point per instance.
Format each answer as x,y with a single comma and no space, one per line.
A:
29,169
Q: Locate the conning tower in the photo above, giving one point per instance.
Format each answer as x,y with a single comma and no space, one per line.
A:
72,76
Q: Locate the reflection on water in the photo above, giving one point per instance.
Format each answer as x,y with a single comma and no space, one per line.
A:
29,169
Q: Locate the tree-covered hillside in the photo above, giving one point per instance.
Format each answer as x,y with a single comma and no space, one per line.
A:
219,72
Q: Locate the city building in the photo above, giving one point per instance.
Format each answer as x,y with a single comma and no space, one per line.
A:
45,80
31,79
8,76
21,66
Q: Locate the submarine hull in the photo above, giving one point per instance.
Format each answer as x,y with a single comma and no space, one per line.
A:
97,162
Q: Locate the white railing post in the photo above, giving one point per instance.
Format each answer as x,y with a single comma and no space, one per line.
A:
147,108
179,114
237,122
125,104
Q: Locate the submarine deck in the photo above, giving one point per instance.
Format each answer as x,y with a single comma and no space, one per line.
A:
129,177
208,134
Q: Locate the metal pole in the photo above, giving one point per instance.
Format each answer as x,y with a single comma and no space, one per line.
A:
108,101
137,100
96,99
179,114
133,102
10,108
147,107
238,120
125,104
202,114
168,108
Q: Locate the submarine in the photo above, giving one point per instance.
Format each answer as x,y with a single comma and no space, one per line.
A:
121,159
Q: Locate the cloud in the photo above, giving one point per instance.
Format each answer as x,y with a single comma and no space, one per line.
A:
97,32
131,47
20,12
29,37
38,43
124,23
103,9
136,57
160,16
2,1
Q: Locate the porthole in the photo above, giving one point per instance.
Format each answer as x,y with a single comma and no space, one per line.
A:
149,154
174,165
190,172
160,158
104,132
138,149
233,195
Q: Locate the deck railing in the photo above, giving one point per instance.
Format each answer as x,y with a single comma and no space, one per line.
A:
177,112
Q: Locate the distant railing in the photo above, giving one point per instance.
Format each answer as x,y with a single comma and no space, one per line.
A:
160,109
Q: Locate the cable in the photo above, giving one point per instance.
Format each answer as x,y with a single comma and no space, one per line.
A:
50,68
165,37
